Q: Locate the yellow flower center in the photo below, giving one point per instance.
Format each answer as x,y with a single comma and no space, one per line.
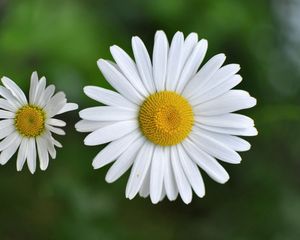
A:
166,118
30,121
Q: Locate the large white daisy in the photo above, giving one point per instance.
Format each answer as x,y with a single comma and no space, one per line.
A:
28,125
169,119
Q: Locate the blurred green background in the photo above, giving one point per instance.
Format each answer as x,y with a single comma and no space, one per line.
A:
62,39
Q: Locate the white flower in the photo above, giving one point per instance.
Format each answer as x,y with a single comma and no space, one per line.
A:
168,118
28,125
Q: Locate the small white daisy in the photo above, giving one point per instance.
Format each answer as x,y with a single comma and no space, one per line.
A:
28,125
169,119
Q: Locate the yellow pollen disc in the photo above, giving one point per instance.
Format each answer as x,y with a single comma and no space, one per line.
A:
30,121
166,118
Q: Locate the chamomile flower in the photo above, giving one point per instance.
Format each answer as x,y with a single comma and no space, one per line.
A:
26,126
170,119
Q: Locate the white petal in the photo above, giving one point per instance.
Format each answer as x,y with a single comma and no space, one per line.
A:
42,152
6,114
50,145
6,131
214,147
204,75
56,130
67,108
56,122
191,171
114,149
119,82
4,92
107,113
231,101
110,133
183,185
230,120
51,150
209,94
125,160
6,123
55,104
128,68
222,75
160,60
10,151
206,162
90,126
47,95
108,97
6,105
143,63
56,143
31,155
174,61
33,86
157,174
251,131
5,143
15,90
189,44
163,194
169,179
139,170
233,142
145,188
192,64
22,154
39,91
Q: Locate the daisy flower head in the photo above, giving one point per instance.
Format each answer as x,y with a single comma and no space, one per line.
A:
27,124
170,120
